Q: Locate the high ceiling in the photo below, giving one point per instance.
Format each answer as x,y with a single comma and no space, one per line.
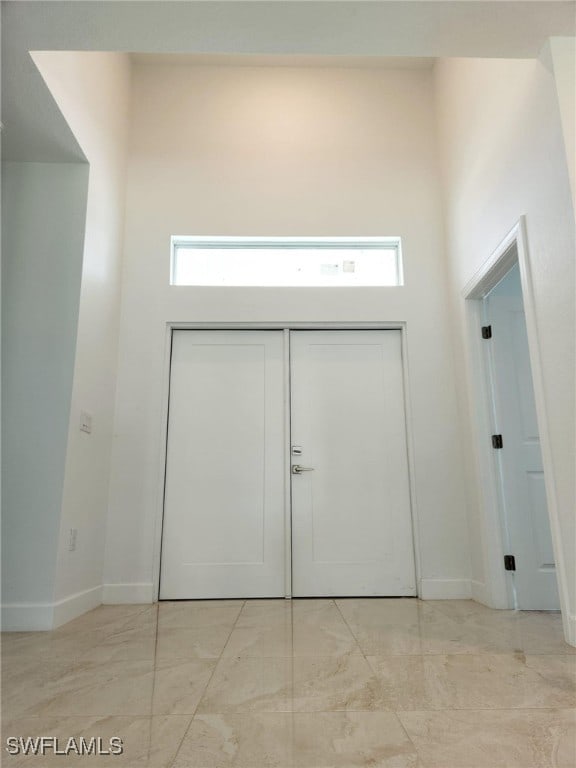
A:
417,29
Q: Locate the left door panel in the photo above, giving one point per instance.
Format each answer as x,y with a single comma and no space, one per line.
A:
223,532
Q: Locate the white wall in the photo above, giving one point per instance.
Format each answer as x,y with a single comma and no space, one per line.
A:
282,151
43,212
560,56
504,157
93,92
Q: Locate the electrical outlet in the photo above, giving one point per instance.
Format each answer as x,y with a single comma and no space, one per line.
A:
72,538
85,422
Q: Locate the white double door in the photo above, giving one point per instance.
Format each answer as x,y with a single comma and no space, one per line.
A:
286,454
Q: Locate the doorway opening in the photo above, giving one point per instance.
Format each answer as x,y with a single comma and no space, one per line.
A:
529,558
522,556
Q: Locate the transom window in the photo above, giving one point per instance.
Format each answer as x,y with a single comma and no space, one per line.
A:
288,262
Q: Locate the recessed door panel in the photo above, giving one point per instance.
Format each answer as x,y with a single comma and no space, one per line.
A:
351,518
224,506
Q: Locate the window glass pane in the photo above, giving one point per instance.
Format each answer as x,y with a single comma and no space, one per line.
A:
319,263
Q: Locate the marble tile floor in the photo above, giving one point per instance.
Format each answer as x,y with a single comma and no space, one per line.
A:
349,683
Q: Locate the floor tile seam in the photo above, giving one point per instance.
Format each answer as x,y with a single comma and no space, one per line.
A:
507,654
292,675
134,658
132,716
85,654
478,608
510,710
232,628
382,710
88,716
297,656
450,684
33,657
100,642
145,607
186,658
419,755
432,654
216,627
531,708
410,740
289,623
352,633
147,665
305,713
201,697
183,659
370,667
171,762
153,690
66,632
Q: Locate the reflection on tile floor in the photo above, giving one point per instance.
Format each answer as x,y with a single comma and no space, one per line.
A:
380,683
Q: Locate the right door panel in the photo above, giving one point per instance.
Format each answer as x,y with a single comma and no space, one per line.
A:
351,517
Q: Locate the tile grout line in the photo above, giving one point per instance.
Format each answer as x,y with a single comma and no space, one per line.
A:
153,692
129,618
292,713
112,633
367,657
394,712
171,764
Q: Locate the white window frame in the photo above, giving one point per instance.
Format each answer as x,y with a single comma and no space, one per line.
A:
319,243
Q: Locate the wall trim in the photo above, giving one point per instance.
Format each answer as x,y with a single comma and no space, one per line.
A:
27,617
571,633
41,617
480,593
119,594
445,589
75,605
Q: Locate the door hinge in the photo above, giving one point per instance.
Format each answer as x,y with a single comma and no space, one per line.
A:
509,562
486,331
497,441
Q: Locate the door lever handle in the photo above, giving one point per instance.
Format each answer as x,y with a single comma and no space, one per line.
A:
297,469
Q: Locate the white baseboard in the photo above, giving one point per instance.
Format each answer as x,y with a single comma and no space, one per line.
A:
479,592
571,630
27,617
445,589
39,617
118,594
75,605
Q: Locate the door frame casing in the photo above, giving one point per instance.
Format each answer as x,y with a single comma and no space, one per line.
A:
286,328
513,249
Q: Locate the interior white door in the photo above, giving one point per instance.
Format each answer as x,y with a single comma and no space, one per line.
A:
524,491
351,519
224,530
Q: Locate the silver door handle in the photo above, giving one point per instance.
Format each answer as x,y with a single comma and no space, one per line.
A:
297,469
